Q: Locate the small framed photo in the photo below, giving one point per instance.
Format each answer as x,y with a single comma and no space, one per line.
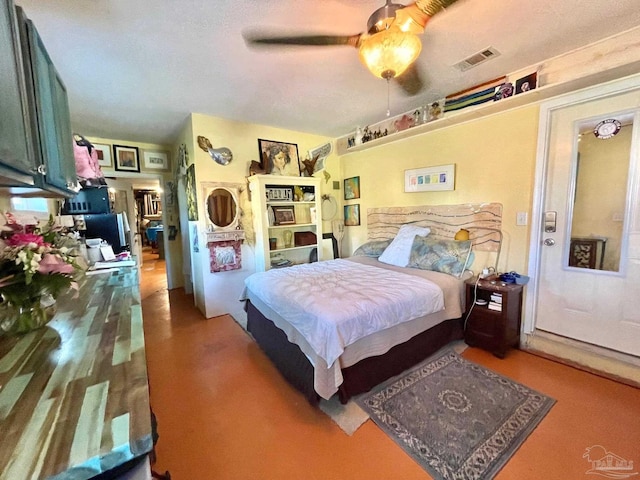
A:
351,188
104,154
284,215
279,158
352,215
524,84
156,160
126,158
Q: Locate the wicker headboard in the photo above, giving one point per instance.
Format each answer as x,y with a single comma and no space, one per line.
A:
483,220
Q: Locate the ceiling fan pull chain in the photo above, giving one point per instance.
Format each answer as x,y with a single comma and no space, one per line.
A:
388,107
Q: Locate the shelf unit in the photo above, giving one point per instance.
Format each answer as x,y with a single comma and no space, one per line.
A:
285,221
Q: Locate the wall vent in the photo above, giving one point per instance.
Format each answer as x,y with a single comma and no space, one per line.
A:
477,58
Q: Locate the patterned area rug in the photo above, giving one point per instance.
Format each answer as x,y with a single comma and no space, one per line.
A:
457,419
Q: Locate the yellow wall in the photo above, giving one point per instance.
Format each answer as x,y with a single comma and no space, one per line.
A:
218,293
495,162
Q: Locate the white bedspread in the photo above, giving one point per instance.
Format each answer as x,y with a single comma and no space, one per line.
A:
334,304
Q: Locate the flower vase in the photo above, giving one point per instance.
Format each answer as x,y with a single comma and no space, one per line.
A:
24,316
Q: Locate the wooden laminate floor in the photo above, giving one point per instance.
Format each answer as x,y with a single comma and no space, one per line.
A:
225,413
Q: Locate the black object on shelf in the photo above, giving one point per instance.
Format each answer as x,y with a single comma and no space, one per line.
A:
88,200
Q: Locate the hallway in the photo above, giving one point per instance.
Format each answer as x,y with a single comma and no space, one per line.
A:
224,412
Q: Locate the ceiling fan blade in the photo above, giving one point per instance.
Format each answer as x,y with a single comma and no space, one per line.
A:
257,39
410,81
415,16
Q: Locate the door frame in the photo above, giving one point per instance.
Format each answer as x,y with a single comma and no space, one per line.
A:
608,89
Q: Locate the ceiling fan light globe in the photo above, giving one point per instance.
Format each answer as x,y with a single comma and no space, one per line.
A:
389,51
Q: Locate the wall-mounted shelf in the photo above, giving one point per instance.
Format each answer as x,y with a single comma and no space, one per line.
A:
223,236
608,60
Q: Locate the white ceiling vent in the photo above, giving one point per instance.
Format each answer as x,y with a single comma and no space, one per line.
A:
477,58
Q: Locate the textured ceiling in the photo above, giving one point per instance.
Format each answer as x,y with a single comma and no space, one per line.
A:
135,69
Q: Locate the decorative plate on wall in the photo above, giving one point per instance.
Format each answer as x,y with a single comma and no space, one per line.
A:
329,207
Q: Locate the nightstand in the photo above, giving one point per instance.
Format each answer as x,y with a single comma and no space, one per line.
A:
493,322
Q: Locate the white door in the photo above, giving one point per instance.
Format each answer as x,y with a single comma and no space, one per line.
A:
587,248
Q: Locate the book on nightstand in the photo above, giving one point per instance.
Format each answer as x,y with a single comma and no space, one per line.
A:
495,306
496,297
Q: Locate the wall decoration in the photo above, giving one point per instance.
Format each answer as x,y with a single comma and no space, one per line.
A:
426,179
482,220
104,154
156,160
279,158
524,84
433,111
126,158
351,188
284,215
196,243
321,153
225,256
504,91
190,190
352,215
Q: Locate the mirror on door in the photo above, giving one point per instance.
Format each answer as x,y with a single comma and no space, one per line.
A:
601,172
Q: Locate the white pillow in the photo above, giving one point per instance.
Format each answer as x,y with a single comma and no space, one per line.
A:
399,250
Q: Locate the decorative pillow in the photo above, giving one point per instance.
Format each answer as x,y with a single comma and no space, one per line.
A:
372,249
446,256
399,250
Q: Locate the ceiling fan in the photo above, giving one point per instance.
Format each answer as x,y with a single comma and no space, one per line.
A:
388,49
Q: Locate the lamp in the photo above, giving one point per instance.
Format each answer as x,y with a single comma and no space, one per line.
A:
388,53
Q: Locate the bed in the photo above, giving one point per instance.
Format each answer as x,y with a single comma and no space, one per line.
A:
343,326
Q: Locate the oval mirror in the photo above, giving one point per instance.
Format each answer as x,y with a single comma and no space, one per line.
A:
222,208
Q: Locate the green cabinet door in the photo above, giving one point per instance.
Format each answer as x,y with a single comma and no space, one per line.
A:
53,121
17,159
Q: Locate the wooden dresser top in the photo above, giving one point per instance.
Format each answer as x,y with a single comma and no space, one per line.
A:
74,398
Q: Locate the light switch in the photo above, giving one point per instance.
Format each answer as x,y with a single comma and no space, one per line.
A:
521,218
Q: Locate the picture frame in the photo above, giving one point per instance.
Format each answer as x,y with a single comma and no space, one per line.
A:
126,158
352,215
527,83
351,188
284,215
439,178
155,160
279,158
104,154
225,256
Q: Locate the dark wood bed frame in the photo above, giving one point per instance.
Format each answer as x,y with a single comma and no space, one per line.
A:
359,378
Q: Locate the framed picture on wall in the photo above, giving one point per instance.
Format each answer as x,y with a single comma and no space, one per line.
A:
428,179
351,188
352,215
279,158
126,158
156,160
104,154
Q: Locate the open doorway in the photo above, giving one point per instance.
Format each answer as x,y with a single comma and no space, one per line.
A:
140,198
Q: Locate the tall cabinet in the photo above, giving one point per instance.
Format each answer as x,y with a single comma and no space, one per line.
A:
287,220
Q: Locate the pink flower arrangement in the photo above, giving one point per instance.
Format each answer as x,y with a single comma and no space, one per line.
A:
35,261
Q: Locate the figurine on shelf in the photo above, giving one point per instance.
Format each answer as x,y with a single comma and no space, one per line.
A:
403,123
